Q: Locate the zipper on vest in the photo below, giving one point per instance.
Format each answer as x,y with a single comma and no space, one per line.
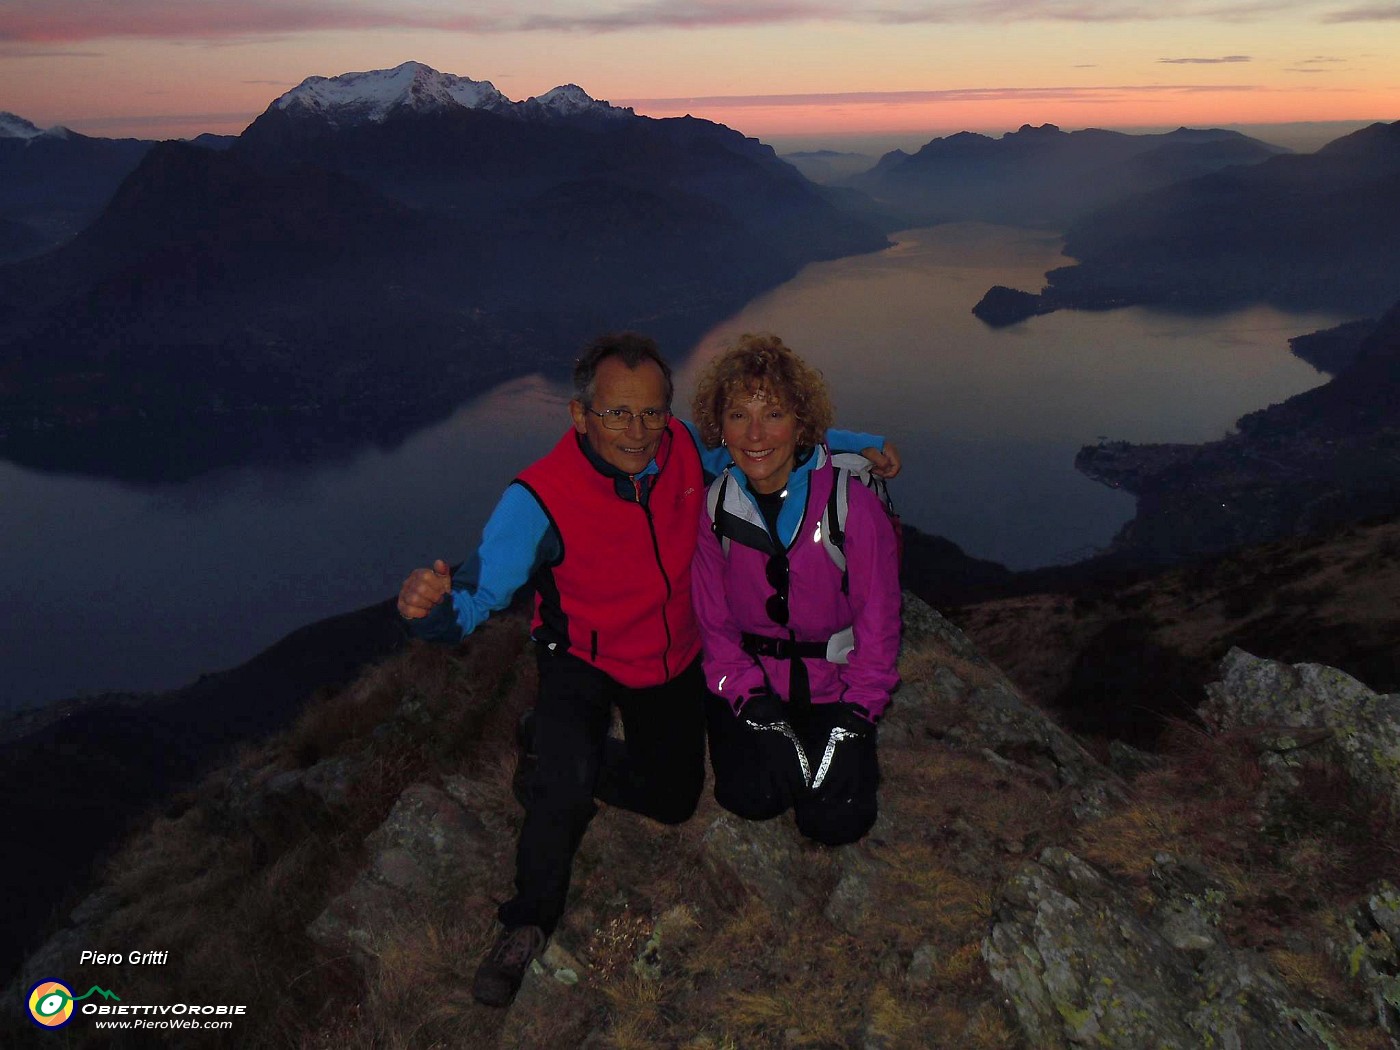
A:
665,620
594,649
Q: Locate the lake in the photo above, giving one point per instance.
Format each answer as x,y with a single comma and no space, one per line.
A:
109,586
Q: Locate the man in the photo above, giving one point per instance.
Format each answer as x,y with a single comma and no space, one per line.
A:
604,527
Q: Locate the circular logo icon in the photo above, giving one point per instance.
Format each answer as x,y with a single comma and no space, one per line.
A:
50,1004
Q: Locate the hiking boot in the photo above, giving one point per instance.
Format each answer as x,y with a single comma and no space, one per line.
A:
500,973
527,760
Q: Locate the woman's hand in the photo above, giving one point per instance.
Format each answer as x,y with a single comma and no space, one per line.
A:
884,464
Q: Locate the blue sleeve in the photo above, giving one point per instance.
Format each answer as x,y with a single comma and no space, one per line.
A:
517,539
852,440
714,460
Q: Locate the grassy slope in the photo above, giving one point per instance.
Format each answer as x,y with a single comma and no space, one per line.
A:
228,881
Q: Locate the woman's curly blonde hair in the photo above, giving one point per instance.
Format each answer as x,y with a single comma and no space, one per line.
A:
760,364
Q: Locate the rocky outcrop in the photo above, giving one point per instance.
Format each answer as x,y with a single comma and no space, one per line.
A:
979,710
1087,959
1082,967
431,848
1362,728
1373,953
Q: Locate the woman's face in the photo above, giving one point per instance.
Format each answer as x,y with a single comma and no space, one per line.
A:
762,438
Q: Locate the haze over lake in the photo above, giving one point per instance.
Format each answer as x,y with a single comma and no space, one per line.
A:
110,587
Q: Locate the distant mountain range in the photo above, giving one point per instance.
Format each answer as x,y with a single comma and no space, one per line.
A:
1043,176
1313,230
371,251
54,182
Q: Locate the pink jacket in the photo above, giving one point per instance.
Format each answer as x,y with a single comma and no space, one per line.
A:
730,592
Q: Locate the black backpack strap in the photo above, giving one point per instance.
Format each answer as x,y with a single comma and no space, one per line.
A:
716,503
836,508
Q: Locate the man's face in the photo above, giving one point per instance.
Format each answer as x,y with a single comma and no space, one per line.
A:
634,389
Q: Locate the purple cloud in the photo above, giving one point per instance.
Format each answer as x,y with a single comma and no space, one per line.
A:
1205,61
23,51
56,21
1371,13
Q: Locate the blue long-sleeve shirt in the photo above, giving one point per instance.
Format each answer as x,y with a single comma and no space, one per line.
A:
518,538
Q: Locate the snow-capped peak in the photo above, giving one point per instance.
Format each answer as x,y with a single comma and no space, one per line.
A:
356,98
570,100
16,127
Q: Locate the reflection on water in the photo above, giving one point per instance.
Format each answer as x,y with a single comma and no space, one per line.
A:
989,419
109,587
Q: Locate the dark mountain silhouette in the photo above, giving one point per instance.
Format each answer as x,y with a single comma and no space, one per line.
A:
1333,349
1044,176
328,282
53,183
1317,230
211,297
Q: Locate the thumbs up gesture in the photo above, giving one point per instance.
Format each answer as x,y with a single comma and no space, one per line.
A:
423,589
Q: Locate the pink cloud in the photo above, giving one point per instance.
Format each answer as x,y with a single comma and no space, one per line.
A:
53,21
902,98
1373,13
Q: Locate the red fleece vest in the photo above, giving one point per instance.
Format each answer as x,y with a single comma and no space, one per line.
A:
619,597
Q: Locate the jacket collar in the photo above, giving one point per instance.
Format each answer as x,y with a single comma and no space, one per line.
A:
809,459
632,488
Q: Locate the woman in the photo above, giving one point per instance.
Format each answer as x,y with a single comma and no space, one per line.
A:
793,706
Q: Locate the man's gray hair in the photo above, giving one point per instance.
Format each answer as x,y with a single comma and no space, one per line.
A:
631,347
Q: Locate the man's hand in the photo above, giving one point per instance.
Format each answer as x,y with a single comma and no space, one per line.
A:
423,589
883,464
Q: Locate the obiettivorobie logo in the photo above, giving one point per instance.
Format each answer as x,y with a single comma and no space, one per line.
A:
51,1002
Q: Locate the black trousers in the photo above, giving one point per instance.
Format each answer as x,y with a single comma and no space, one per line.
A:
742,786
659,771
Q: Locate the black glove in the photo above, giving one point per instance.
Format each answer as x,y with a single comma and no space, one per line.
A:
847,751
784,763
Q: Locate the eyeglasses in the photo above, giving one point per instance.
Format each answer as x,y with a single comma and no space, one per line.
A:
776,572
621,419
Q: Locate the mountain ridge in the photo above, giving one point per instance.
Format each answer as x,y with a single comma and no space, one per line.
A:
340,878
1043,176
266,288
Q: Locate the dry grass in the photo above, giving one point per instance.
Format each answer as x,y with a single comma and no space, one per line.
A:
229,885
919,662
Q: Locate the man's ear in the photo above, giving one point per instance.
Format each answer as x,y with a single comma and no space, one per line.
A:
580,415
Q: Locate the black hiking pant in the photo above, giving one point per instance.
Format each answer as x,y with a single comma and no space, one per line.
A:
742,786
658,771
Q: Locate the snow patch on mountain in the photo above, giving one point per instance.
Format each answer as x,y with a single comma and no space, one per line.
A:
16,127
356,98
570,100
371,97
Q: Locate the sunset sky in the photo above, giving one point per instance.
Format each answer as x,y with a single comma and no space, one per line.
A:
771,68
